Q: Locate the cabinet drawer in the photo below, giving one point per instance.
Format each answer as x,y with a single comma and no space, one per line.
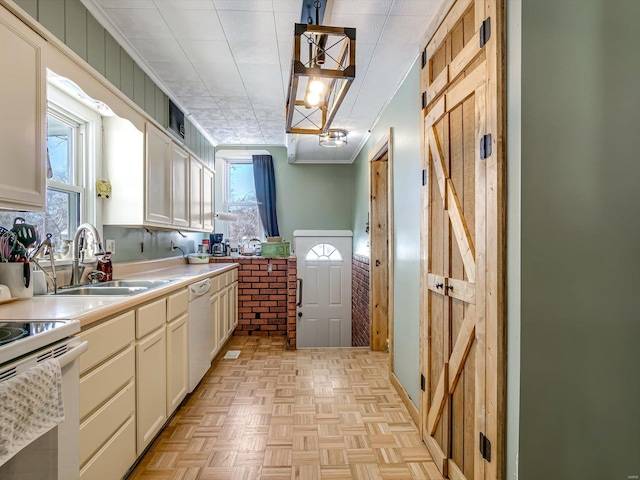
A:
97,386
107,339
100,426
150,317
115,458
214,285
177,304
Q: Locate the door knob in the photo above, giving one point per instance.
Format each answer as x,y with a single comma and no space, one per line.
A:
377,263
300,314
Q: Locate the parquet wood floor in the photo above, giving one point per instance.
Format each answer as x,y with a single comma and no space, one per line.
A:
275,414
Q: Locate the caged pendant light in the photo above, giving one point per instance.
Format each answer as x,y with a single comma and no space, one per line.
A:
322,70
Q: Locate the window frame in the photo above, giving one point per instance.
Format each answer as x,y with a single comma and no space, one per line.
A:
226,191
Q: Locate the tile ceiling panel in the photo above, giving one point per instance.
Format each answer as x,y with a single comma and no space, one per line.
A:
127,4
194,24
184,4
246,5
175,72
251,36
139,23
400,30
228,61
362,7
198,102
221,79
207,51
159,49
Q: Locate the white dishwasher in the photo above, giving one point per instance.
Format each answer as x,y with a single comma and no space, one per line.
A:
199,332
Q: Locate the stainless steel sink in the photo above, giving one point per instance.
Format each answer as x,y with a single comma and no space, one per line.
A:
131,283
93,290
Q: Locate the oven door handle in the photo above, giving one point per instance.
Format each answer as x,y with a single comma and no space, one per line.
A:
76,350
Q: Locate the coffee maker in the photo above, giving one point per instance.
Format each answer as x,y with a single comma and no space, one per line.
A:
217,247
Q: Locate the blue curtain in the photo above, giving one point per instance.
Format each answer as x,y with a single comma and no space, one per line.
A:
265,182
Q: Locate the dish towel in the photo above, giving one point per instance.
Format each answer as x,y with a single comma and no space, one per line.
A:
30,405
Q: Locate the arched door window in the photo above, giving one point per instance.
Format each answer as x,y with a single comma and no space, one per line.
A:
323,252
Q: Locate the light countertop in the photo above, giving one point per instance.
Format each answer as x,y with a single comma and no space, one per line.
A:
89,309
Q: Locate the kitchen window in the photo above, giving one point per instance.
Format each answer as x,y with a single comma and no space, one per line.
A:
240,199
73,138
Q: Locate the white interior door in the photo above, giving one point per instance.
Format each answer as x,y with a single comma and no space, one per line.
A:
324,268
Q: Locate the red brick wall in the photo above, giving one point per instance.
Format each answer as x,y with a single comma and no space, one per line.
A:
360,322
266,296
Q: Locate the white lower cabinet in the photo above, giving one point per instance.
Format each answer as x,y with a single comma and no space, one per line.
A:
214,301
107,399
177,362
135,375
151,387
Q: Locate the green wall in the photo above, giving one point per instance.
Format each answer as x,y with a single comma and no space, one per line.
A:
580,247
308,196
403,115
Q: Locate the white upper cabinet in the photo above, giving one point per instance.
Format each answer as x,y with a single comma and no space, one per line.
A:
180,189
158,187
195,213
155,182
22,123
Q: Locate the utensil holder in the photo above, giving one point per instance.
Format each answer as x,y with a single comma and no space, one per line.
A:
12,275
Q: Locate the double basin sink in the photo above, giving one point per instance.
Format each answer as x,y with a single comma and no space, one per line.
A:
122,288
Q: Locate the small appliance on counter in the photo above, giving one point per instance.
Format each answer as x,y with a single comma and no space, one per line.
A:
217,246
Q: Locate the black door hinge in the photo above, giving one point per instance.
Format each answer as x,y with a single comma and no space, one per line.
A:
424,100
485,146
423,382
485,447
424,177
424,59
485,32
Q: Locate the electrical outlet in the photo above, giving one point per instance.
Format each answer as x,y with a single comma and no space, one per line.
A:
110,245
173,246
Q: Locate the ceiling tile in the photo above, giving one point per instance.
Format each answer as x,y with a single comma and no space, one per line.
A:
368,27
221,79
243,116
401,30
184,4
251,36
198,102
187,89
139,23
428,8
175,72
288,6
126,4
231,102
159,49
362,7
245,5
209,115
194,24
207,51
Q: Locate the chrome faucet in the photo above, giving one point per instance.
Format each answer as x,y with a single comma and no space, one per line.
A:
78,250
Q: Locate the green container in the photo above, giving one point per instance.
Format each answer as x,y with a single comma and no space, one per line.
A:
275,249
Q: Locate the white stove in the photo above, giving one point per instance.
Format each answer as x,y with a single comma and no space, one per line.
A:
21,337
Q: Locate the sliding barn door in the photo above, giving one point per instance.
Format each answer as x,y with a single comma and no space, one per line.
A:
461,405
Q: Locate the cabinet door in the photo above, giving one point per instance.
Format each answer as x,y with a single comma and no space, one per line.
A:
214,302
151,387
158,188
22,123
195,211
207,199
223,313
177,362
233,306
180,201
